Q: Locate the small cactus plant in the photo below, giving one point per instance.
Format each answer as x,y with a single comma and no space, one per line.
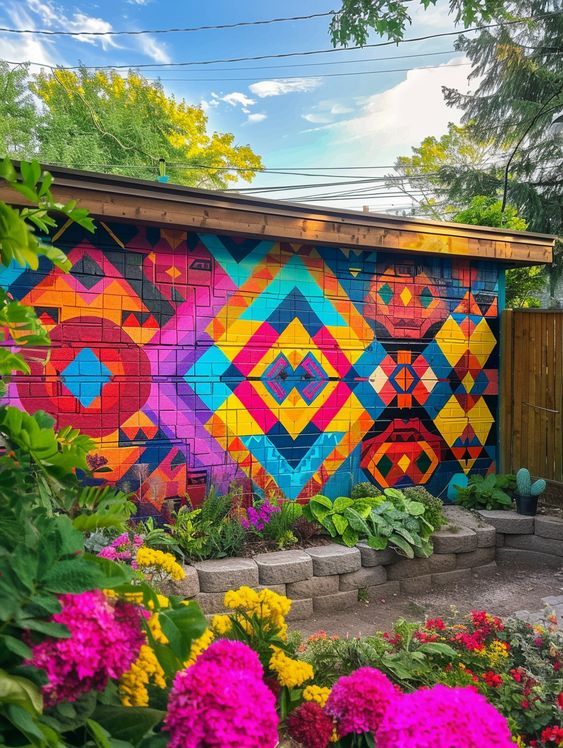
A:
526,487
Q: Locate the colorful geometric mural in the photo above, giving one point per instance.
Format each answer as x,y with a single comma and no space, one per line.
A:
197,358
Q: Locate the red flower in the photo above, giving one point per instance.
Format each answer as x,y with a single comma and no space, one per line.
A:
516,675
560,700
552,735
525,704
309,725
538,641
435,623
493,680
424,637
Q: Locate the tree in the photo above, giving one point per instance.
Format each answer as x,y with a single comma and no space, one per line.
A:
18,116
520,86
355,18
523,284
124,125
431,176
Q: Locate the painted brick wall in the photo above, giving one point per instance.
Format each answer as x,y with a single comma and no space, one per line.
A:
199,358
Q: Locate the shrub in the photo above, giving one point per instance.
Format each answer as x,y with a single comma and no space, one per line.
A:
434,508
486,492
365,490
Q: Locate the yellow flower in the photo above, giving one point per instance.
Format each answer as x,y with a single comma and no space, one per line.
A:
519,741
316,693
266,605
151,561
290,672
133,684
221,624
494,653
199,645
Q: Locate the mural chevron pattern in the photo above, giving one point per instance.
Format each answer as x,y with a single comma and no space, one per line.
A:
198,358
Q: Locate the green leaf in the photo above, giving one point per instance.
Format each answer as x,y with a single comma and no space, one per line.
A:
74,575
350,537
342,503
21,691
437,648
17,647
181,626
319,499
356,521
128,723
377,542
402,544
340,523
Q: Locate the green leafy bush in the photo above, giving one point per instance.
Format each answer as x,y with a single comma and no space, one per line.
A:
486,492
433,507
365,490
280,527
343,518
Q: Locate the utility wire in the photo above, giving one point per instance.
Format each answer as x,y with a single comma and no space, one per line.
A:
45,32
320,75
282,55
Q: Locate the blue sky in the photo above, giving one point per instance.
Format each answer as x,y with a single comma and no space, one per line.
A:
291,115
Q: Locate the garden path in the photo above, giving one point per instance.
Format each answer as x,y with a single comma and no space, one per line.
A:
508,591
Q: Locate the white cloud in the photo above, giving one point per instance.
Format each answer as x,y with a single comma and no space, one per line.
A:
393,121
26,47
256,117
340,109
262,89
236,98
51,15
317,119
138,2
153,49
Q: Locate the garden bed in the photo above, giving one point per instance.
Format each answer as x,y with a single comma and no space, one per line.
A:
332,577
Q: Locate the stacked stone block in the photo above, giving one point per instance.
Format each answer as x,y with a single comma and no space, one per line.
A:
328,578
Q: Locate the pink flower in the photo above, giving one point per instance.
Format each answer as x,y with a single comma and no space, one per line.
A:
442,717
105,639
213,705
233,655
359,701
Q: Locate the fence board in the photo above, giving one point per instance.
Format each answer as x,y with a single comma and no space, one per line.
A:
531,410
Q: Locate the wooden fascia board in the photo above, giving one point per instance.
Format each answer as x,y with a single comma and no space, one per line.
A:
278,221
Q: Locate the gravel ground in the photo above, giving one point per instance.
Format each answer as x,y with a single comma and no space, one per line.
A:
511,589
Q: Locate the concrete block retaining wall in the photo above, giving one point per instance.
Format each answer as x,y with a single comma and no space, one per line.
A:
329,577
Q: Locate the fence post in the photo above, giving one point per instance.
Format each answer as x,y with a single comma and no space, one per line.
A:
506,395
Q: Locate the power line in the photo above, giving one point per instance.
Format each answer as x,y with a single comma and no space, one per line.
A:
46,32
320,75
281,55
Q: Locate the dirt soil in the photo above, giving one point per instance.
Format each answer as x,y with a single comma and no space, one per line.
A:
508,590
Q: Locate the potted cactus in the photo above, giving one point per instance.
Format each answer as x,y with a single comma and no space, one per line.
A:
527,493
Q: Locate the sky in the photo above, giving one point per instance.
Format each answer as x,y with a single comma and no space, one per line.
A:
341,110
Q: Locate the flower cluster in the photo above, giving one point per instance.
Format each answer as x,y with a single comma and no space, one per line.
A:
215,703
359,701
199,645
441,717
105,639
159,564
258,517
145,670
123,548
289,672
310,725
267,607
319,694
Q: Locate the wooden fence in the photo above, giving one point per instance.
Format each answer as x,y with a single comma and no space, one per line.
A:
531,411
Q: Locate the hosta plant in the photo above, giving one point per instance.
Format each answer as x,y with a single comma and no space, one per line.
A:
486,492
344,519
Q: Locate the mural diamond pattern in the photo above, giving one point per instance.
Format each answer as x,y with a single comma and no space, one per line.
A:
194,359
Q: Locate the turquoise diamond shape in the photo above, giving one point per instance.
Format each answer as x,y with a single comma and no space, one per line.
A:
86,376
386,293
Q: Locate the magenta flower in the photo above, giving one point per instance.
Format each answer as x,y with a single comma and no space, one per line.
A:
233,655
258,517
442,717
212,705
359,701
105,639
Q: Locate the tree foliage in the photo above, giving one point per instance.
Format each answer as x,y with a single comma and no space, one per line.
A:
523,284
506,122
352,23
18,115
121,125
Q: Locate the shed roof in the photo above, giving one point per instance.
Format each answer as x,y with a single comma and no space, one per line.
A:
112,197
